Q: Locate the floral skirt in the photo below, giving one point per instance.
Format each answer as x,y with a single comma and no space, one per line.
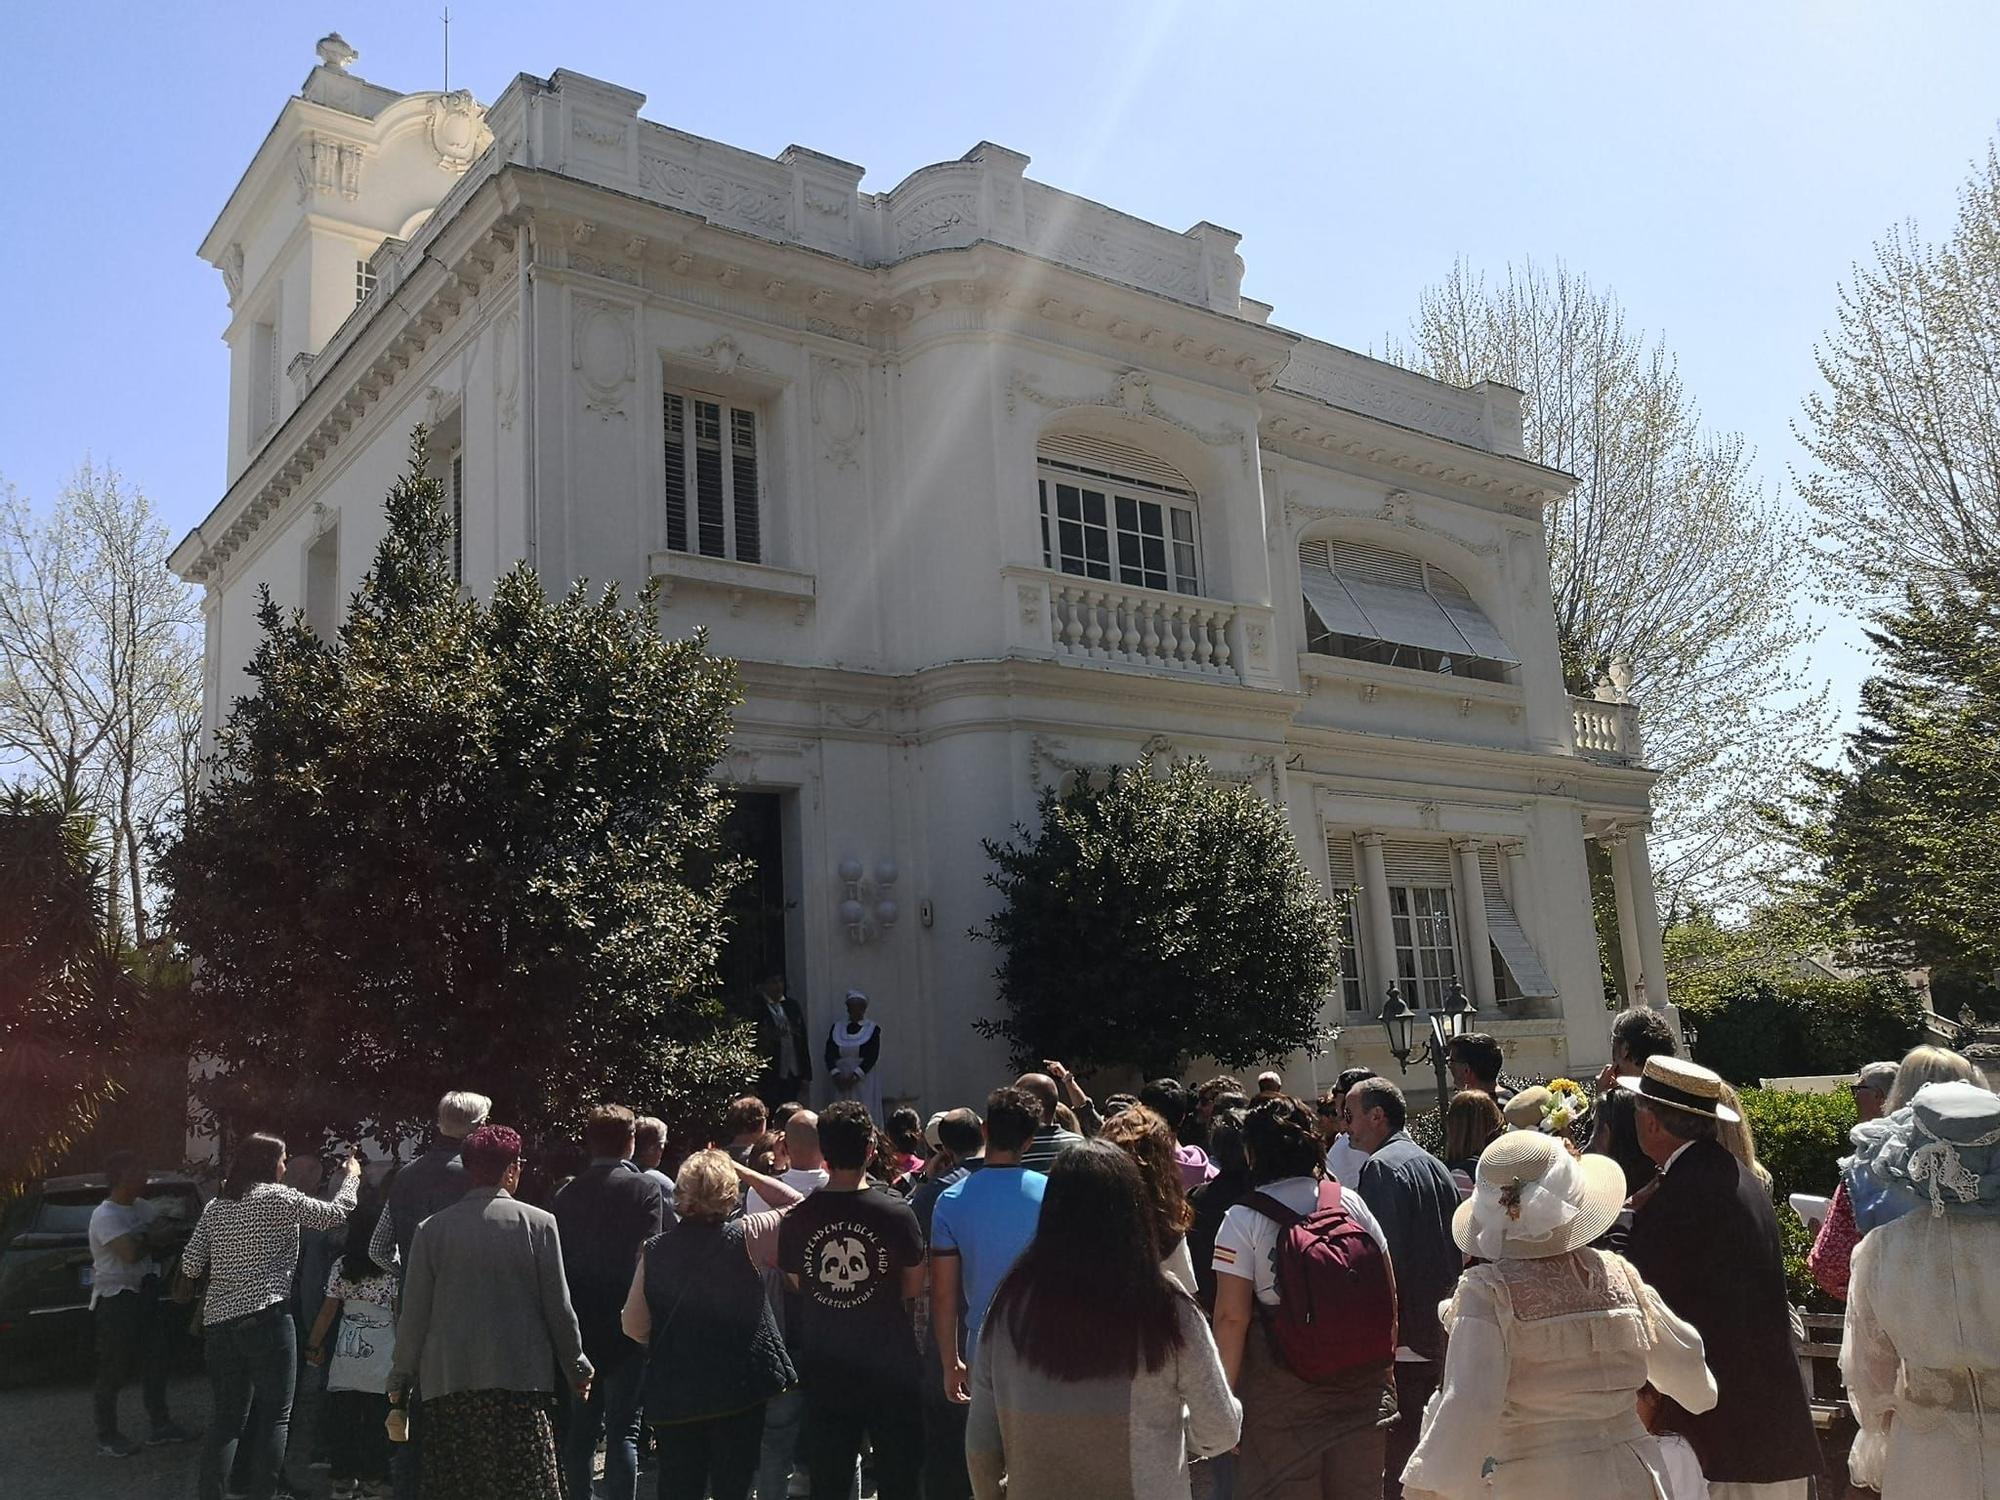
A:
496,1445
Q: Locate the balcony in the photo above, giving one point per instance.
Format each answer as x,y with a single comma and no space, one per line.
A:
1606,731
1091,619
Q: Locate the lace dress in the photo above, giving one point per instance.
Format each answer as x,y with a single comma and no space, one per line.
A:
1541,1381
1922,1357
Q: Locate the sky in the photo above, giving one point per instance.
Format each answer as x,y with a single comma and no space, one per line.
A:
1719,167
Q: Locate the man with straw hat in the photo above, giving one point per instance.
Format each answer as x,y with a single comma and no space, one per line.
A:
1922,1348
1707,1240
1551,1341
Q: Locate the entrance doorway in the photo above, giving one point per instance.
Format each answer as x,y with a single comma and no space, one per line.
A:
755,945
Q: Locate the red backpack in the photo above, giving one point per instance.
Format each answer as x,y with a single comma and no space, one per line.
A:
1336,1303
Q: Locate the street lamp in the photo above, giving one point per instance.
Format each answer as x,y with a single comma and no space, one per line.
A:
1454,1020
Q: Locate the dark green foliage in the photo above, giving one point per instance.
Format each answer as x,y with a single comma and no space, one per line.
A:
465,845
65,999
1156,916
1800,1140
1770,1028
1905,837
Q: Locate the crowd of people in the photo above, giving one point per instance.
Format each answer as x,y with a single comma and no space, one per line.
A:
1217,1291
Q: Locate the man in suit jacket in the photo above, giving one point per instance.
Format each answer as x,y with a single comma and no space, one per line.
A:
1412,1196
781,1042
1707,1241
605,1216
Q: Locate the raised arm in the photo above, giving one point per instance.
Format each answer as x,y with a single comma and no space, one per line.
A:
328,1213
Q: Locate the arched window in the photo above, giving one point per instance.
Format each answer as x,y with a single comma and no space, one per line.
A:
1115,512
1370,604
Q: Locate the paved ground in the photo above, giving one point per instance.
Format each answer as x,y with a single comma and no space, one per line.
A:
48,1446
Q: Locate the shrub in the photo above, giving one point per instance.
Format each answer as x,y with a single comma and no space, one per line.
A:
1769,1028
1800,1139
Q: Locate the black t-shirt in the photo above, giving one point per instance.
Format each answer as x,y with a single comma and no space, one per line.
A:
849,1252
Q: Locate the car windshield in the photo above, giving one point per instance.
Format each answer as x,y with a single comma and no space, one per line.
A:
67,1213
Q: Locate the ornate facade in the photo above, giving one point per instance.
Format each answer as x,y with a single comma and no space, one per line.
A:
983,484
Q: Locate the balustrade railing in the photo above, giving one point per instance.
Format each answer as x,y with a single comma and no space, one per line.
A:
1142,627
1606,731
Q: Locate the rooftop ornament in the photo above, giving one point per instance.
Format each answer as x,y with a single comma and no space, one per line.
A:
335,53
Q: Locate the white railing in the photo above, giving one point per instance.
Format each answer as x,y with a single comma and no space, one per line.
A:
1058,614
1606,731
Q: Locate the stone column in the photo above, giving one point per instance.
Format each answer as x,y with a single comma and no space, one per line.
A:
1646,913
1472,910
1628,919
1377,934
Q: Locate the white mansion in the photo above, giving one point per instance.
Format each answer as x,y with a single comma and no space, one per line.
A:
981,483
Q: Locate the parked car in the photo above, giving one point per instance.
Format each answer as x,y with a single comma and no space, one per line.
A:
45,1269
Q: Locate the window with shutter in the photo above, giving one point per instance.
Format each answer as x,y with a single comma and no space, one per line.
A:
1115,512
713,492
1519,963
1340,869
1370,604
1421,921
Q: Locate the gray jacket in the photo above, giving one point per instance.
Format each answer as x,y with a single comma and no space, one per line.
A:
485,1303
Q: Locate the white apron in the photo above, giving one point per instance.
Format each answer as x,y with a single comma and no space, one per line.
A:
848,1040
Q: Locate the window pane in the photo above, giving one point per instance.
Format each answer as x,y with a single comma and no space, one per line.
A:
1042,489
1128,558
1183,525
1185,579
674,413
1128,513
1072,546
709,527
1155,552
1149,517
1068,506
1093,507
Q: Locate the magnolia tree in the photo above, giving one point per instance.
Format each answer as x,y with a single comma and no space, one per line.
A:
464,844
1155,916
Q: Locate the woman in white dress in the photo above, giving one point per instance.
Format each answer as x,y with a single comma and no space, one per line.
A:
1922,1348
1550,1342
853,1049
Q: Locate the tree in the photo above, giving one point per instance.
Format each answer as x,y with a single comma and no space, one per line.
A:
1158,915
1906,433
64,998
1668,557
462,844
100,669
1904,836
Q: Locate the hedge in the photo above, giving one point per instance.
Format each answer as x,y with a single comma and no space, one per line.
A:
1800,1140
1768,1028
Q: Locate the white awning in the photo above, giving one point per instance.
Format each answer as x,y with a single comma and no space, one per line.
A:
1524,965
1373,595
1407,617
1478,631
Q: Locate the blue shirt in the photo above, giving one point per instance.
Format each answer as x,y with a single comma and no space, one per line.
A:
986,1221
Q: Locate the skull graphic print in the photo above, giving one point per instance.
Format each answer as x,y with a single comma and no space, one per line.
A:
848,1262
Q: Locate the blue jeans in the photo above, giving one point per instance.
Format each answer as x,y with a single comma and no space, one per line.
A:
613,1409
252,1362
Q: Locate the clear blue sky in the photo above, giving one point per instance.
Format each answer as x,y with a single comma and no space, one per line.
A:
1719,166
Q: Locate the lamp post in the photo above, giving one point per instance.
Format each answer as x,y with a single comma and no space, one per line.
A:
1453,1020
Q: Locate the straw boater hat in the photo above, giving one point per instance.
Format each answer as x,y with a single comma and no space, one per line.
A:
1673,1083
1531,1198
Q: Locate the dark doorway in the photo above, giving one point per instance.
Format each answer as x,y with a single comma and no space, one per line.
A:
754,831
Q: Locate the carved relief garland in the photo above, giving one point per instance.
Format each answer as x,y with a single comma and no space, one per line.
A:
1131,393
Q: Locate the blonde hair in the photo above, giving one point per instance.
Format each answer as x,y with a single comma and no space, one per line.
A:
705,1187
1922,1065
1737,1136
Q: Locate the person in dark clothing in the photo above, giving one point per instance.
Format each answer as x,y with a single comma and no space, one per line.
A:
605,1217
435,1180
855,1253
1706,1239
1214,1198
1475,1064
1412,1195
781,1041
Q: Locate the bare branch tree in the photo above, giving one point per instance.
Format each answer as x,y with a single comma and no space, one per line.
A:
1668,556
1907,432
100,668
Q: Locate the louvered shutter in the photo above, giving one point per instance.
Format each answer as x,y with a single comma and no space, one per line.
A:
743,482
1479,632
1340,861
711,531
1332,604
1107,460
1510,941
1410,862
674,418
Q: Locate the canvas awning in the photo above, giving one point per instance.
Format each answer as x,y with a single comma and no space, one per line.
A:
1370,609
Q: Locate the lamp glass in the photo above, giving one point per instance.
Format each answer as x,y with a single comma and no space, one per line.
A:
1396,1019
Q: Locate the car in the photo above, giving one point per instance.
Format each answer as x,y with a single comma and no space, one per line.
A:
45,1268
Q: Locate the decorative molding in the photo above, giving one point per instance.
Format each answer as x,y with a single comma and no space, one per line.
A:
232,271
324,165
605,134
458,131
507,368
1395,510
1393,395
723,355
601,354
838,411
1030,598
721,199
827,204
1131,394
936,217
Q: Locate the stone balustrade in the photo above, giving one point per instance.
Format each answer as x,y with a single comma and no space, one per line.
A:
1094,620
1605,731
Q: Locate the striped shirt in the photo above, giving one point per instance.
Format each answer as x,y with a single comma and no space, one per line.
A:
250,1245
1046,1145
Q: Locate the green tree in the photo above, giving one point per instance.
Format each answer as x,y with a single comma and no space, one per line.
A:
1668,558
1904,836
1158,915
464,844
65,1000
